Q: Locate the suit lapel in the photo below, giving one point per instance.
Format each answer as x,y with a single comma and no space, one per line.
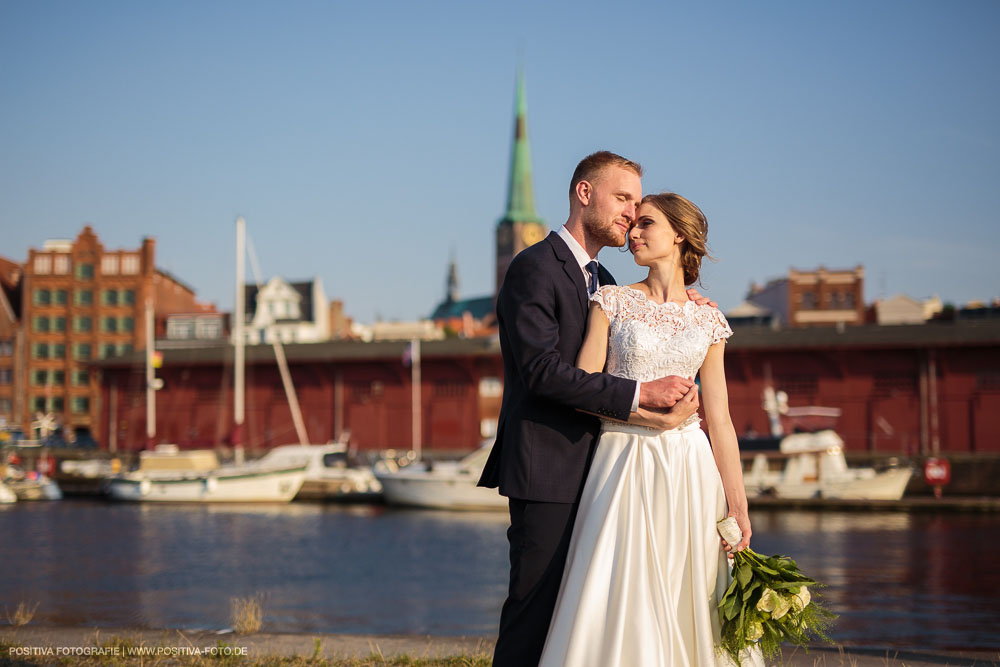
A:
572,269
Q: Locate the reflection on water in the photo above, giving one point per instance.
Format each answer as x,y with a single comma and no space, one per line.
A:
894,578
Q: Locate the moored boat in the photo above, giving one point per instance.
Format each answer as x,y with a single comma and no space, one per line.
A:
813,465
167,474
328,475
440,484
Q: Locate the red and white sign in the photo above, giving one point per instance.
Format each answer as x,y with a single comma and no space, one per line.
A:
937,471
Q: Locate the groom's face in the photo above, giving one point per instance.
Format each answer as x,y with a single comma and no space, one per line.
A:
614,195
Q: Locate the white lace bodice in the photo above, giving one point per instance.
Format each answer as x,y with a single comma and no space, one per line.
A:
649,340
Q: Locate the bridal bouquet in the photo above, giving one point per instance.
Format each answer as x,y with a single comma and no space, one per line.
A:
768,602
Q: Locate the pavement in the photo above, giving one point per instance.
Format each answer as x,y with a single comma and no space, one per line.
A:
59,642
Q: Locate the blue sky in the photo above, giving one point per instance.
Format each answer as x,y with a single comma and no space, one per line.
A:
366,142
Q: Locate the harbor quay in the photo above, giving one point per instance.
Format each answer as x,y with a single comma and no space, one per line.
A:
50,645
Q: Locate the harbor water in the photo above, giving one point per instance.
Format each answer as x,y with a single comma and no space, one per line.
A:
926,580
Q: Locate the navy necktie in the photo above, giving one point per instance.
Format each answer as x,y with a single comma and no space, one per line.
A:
592,268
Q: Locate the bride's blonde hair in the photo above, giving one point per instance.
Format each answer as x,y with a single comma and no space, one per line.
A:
688,221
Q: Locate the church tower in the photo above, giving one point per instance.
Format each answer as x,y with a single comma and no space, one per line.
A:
520,226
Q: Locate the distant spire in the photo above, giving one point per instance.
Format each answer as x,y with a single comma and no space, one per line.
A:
451,294
520,195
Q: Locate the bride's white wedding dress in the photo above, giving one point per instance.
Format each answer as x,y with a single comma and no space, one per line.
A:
646,569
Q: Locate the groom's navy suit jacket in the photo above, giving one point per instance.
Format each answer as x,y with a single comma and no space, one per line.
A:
544,444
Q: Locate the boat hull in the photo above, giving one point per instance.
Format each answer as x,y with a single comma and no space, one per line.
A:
452,492
215,487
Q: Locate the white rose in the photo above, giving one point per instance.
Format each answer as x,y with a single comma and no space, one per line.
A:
768,601
730,531
756,631
801,599
784,604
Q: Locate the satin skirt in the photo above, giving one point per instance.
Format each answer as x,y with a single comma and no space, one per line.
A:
645,569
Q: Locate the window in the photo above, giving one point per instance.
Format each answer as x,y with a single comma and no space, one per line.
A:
40,351
180,329
808,300
5,407
109,265
58,376
835,301
59,297
6,347
82,351
81,405
130,265
82,324
109,297
59,351
59,324
127,325
43,297
109,325
39,378
6,376
57,404
490,387
38,404
108,350
84,271
128,297
62,265
849,300
43,264
208,328
84,297
81,378
124,348
41,325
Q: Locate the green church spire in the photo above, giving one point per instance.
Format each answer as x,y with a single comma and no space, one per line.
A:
520,195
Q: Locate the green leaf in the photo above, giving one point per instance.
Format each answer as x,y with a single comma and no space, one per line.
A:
744,574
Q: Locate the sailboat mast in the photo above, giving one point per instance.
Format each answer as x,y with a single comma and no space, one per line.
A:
150,380
415,397
239,363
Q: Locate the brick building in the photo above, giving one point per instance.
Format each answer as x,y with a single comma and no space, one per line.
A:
82,302
822,297
11,341
904,389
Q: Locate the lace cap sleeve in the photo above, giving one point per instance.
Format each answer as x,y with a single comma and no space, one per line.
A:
718,326
607,298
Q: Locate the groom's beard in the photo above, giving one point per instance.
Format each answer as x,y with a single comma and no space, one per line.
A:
605,231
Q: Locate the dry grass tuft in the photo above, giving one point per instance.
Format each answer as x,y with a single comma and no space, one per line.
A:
247,614
22,615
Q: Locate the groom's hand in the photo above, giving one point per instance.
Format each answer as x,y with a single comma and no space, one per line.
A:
696,296
663,393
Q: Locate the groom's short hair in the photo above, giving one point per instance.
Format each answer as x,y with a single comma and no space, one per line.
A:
594,163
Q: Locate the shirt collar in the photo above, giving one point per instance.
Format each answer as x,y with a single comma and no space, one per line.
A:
581,256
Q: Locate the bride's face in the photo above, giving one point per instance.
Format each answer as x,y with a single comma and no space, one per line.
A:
651,237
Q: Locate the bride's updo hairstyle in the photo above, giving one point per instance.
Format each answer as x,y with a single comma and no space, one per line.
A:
688,221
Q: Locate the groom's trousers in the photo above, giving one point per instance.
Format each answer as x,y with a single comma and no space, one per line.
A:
539,536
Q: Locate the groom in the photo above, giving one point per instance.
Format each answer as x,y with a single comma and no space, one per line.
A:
544,443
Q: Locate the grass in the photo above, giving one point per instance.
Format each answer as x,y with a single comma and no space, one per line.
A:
247,614
22,615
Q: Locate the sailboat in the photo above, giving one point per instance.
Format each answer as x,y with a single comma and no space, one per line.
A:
169,474
440,484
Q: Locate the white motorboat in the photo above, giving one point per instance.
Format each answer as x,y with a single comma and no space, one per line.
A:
168,474
812,465
328,476
7,496
34,486
440,484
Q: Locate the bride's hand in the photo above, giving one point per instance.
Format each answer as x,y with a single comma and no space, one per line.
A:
663,421
743,519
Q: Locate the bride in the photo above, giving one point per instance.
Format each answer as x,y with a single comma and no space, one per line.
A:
646,567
